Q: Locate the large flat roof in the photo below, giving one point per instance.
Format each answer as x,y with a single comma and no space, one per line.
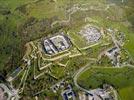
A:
56,44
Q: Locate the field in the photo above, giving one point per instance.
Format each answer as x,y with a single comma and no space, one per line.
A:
22,21
121,78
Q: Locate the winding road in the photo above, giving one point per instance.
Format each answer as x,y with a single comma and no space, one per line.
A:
78,73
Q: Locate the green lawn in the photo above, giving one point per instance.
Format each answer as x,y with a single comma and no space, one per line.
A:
58,71
126,93
13,4
121,78
129,45
78,40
